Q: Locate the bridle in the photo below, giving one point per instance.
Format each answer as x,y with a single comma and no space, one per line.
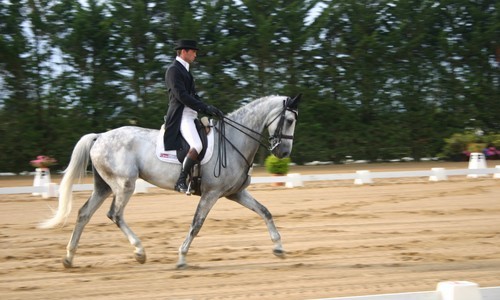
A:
277,136
274,140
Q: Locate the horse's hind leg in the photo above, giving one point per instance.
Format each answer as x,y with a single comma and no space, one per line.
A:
100,193
244,198
116,215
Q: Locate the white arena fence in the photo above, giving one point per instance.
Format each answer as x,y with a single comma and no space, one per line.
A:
48,190
365,176
446,290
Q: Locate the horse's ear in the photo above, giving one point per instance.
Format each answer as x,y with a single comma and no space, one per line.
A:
294,103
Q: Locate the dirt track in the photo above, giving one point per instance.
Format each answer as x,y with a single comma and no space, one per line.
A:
397,235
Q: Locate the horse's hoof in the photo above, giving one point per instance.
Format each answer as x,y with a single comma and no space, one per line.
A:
181,266
67,263
279,253
140,258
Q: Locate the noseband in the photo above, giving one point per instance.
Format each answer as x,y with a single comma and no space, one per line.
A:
277,136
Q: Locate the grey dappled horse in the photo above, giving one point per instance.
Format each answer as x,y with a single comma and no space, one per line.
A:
122,155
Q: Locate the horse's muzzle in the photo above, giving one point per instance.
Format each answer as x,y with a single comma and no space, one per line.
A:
281,151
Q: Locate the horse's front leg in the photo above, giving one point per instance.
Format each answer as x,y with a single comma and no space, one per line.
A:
244,198
204,206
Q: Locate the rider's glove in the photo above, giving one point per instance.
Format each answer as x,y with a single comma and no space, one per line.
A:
214,111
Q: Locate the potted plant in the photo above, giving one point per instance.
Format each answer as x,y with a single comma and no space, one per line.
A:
43,161
42,174
277,166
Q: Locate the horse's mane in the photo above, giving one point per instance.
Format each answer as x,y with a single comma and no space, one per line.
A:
252,106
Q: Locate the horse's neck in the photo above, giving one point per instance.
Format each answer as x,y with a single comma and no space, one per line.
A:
254,117
256,114
254,122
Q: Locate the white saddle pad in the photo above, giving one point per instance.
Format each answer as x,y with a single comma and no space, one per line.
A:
170,156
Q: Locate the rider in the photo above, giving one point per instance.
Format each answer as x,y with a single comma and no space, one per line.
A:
184,105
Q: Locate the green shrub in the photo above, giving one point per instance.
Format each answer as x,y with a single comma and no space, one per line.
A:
459,143
276,165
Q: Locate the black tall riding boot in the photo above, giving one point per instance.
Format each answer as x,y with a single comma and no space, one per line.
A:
187,165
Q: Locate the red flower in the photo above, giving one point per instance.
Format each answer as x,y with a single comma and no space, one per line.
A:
43,161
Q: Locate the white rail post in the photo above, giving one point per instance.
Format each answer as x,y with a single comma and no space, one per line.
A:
293,180
477,161
42,178
363,177
497,172
140,186
459,290
438,174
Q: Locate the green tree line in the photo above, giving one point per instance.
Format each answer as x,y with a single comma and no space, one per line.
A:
380,79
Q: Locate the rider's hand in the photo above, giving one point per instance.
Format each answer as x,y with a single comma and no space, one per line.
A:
214,111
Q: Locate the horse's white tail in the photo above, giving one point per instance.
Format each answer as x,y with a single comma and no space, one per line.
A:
75,170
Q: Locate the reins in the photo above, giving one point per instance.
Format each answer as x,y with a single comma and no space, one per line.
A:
221,161
274,140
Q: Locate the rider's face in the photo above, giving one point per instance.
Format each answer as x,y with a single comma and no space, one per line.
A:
189,55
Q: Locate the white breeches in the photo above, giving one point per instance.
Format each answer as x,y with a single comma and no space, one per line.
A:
188,129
